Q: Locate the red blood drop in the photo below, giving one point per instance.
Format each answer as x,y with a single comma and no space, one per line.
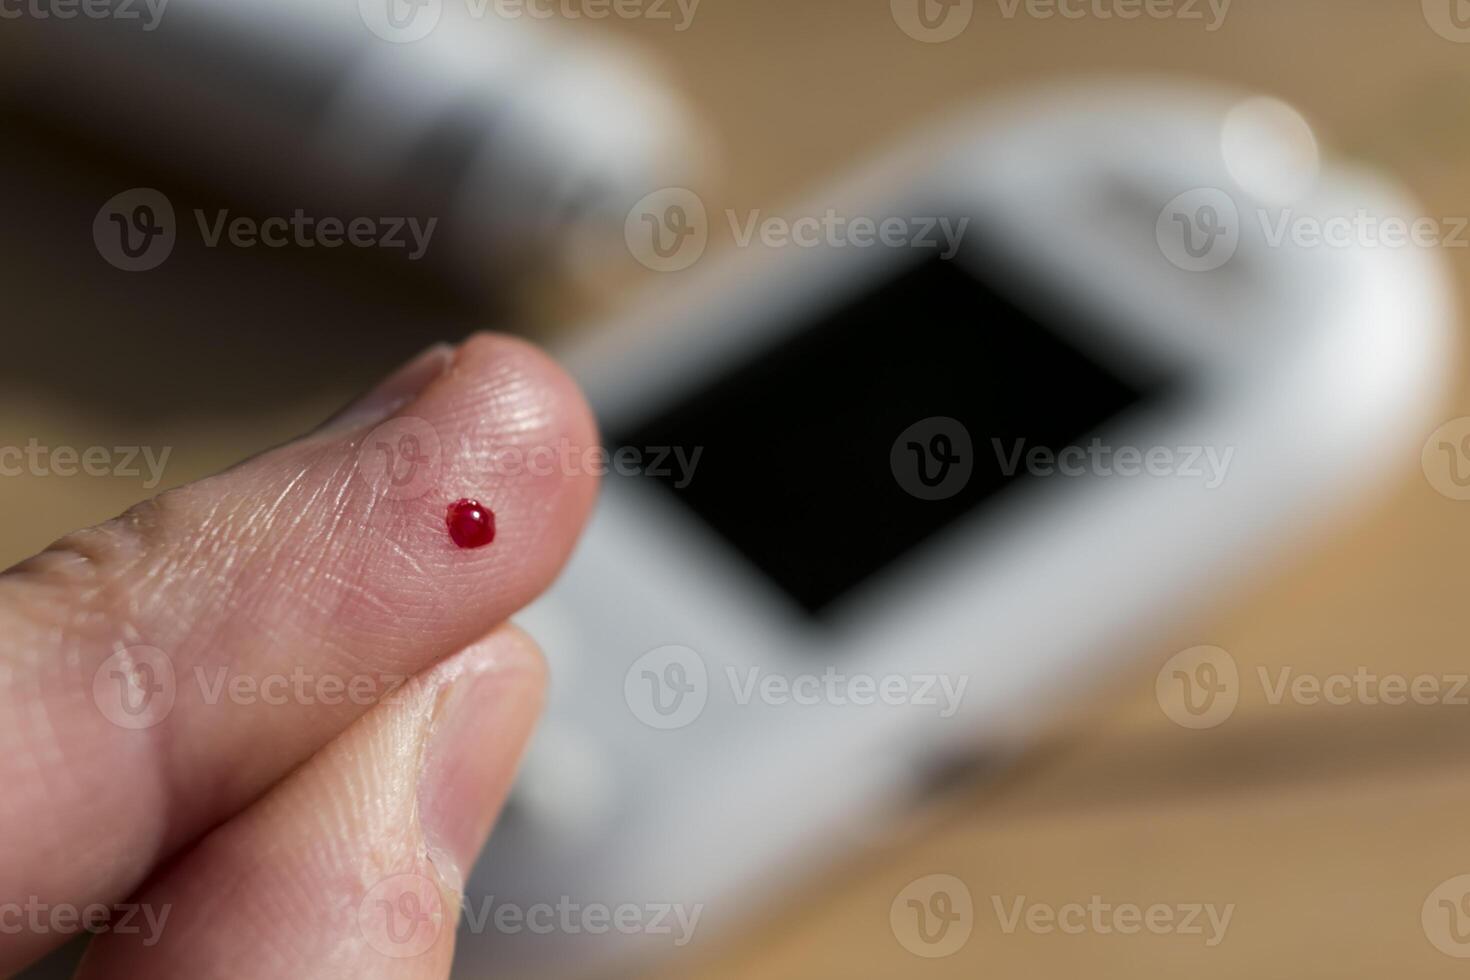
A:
471,525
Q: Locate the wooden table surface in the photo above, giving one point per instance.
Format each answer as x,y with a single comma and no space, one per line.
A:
1325,827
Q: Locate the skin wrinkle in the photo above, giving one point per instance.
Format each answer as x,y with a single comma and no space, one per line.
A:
295,558
337,511
517,419
521,410
266,566
158,577
147,780
338,534
407,557
39,726
302,578
236,603
340,504
292,483
371,598
39,753
223,910
64,590
365,806
301,511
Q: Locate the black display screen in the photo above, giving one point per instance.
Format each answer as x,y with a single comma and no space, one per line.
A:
835,451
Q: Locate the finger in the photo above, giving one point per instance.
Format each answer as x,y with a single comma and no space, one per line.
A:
354,866
160,671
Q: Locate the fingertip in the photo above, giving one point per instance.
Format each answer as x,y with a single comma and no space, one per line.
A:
508,650
502,366
491,696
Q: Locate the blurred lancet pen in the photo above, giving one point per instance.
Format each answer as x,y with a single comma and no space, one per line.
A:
528,140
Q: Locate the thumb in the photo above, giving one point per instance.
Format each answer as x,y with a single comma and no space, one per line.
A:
354,865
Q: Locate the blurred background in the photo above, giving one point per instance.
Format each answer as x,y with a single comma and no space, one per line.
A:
1325,825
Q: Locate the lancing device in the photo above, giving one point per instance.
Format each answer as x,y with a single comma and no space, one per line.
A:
522,139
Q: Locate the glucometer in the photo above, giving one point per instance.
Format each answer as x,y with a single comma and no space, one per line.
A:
912,501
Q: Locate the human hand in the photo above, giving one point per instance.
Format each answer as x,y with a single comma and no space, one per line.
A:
270,717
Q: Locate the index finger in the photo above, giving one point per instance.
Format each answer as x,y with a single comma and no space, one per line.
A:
160,671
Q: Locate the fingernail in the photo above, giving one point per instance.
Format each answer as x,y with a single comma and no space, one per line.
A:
395,391
484,716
